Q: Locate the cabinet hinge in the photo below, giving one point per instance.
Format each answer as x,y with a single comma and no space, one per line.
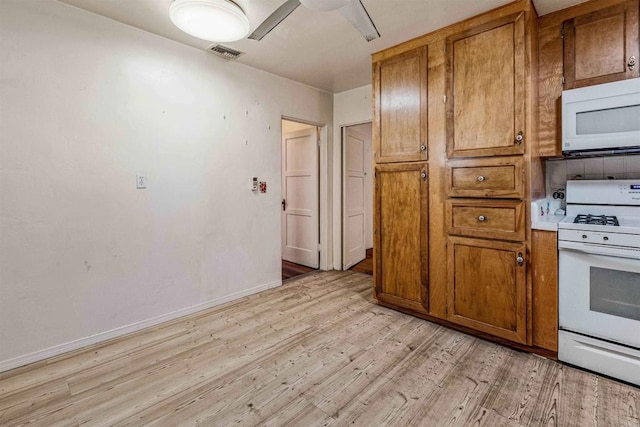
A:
319,247
318,142
444,99
562,81
562,33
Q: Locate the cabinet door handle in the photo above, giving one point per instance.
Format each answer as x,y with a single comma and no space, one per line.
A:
519,138
423,175
632,63
483,218
481,178
284,204
520,259
423,147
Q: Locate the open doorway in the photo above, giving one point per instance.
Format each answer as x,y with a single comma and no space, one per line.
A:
300,198
357,198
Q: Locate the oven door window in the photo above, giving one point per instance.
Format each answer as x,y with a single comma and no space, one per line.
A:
599,295
615,292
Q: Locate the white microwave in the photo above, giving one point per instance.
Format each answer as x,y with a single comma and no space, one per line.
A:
601,119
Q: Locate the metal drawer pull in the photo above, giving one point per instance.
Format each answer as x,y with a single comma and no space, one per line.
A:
632,63
520,259
483,218
480,178
519,138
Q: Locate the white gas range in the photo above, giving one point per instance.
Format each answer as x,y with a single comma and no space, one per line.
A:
599,278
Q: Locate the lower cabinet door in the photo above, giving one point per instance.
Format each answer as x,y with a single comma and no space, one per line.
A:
487,287
400,233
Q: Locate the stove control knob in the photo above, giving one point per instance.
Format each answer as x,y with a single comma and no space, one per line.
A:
584,236
605,238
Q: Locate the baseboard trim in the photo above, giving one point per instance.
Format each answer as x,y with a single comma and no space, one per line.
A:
57,350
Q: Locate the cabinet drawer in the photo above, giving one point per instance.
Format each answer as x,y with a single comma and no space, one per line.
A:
499,177
493,219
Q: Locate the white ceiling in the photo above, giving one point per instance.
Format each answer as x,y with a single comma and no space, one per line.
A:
320,49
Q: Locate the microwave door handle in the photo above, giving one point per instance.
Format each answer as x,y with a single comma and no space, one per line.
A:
588,248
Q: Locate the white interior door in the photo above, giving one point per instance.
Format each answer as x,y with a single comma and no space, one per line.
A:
300,197
353,197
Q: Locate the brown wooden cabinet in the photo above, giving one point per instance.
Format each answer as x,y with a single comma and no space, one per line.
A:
458,264
544,266
501,177
485,87
400,96
491,219
487,287
401,235
602,46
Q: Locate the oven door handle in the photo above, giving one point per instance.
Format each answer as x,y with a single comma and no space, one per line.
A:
590,248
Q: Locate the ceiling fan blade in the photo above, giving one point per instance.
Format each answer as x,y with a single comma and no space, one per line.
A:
274,19
355,13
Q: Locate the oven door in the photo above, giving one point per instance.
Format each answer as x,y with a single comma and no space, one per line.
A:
599,292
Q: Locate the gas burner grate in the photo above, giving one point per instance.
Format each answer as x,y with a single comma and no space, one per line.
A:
597,220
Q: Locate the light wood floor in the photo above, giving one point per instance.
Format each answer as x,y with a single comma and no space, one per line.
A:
316,351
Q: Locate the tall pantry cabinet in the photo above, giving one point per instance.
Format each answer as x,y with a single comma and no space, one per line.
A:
454,128
486,117
401,180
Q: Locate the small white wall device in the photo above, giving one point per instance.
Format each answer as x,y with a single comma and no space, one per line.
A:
254,184
141,181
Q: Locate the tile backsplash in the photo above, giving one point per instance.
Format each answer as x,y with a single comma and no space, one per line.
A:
614,167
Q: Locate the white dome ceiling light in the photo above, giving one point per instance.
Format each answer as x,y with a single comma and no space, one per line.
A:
212,20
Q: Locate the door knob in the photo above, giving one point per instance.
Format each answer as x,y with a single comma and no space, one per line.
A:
480,178
520,259
482,218
423,175
519,138
423,147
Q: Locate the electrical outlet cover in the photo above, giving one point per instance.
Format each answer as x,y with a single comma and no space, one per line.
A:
141,181
263,187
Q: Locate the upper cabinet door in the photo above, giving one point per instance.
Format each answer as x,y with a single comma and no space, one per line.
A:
602,46
400,104
486,89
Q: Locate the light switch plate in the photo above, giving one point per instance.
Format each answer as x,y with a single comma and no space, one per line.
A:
141,181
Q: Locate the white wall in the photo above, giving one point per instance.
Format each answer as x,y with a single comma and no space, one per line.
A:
349,108
85,104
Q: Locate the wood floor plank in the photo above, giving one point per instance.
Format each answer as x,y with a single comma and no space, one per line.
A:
317,351
618,403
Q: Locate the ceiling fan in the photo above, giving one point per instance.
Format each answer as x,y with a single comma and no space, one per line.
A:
353,10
